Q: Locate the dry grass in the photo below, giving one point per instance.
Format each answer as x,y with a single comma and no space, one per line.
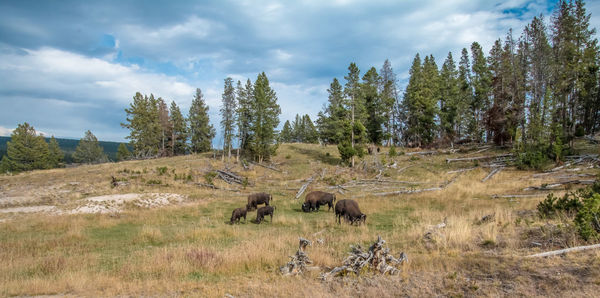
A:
189,248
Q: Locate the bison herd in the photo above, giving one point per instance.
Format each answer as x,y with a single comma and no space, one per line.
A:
348,209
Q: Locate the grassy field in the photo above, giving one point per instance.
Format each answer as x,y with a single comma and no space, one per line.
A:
188,248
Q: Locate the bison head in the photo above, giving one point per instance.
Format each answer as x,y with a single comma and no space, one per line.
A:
305,207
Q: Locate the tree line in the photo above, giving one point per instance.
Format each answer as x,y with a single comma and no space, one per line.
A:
27,150
535,92
249,115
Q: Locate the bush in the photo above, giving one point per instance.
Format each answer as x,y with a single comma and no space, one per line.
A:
161,170
532,158
209,177
587,220
585,203
392,151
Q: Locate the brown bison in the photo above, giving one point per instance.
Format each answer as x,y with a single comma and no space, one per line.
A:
258,198
237,214
264,211
315,199
350,211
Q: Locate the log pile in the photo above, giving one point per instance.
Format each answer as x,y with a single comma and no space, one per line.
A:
377,259
299,261
230,177
303,188
499,158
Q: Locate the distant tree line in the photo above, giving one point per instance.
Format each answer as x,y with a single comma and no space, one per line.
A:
27,150
535,93
301,130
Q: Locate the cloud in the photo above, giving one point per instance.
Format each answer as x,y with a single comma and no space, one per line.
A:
6,132
41,85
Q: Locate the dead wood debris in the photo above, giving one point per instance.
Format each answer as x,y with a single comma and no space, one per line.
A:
411,191
434,230
449,160
303,188
421,153
557,185
492,173
299,261
377,259
266,166
230,177
563,251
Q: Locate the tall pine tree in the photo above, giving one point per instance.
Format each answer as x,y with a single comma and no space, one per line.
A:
265,119
228,115
201,131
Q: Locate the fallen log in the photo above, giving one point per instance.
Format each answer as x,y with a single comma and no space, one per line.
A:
558,184
514,196
461,170
491,174
266,167
563,251
449,160
421,153
303,188
230,177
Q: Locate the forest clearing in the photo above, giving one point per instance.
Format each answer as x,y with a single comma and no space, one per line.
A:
161,226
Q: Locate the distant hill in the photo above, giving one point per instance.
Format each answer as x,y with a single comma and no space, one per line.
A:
68,146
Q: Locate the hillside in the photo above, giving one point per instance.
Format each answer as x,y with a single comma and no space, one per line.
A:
163,231
68,146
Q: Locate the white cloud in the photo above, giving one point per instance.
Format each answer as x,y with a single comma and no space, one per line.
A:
5,131
73,77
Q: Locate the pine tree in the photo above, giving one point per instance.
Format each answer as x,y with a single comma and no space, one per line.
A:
179,136
355,105
25,151
328,121
89,150
481,81
465,96
411,101
144,125
55,154
201,131
123,153
265,119
373,106
244,114
166,128
449,99
228,115
286,133
297,130
430,96
389,95
310,133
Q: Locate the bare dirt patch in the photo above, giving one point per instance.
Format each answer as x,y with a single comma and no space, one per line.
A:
115,203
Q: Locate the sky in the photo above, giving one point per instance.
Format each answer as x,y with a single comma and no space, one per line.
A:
71,66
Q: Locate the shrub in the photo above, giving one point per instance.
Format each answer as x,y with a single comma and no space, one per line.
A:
208,177
161,170
587,220
569,204
392,151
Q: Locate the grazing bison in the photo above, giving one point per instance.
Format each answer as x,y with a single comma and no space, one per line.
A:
258,198
315,199
350,211
264,211
237,214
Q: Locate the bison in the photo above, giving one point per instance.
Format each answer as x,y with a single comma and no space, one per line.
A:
264,211
237,214
315,199
350,211
258,198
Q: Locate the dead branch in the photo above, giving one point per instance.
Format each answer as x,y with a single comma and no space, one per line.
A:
377,259
449,160
563,251
491,174
298,262
411,191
